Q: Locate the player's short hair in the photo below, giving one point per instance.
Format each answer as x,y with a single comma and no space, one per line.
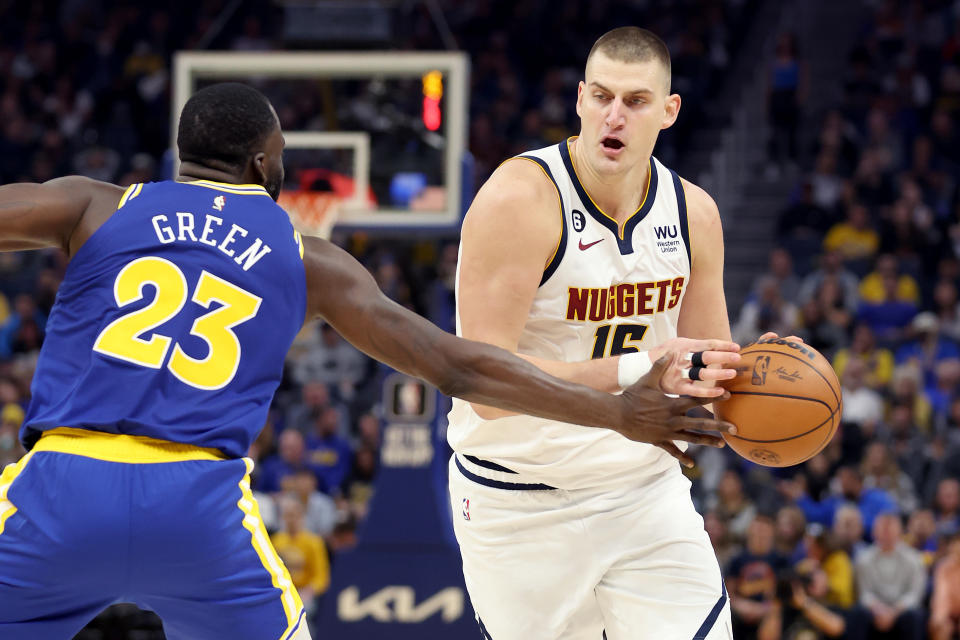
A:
224,123
633,44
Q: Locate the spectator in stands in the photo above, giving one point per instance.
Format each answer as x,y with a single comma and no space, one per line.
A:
790,527
849,489
768,311
877,361
11,417
752,578
23,330
827,184
780,269
723,543
304,553
906,388
784,94
861,404
825,320
927,347
277,471
319,509
909,241
832,268
881,471
801,228
332,361
837,567
855,238
887,265
357,488
799,609
940,394
848,530
328,452
891,581
733,505
946,506
314,400
945,597
889,317
947,309
922,534
872,182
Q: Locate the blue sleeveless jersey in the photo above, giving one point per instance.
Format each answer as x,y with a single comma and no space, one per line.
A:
174,318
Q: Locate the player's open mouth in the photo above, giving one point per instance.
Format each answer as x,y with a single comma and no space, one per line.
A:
612,143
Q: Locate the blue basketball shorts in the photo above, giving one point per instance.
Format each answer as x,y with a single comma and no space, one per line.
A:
88,519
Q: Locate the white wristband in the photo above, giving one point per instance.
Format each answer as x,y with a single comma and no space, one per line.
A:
632,367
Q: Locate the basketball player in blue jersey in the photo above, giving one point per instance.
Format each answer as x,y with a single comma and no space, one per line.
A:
590,258
162,354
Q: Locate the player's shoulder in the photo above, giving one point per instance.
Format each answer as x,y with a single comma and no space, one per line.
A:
701,207
84,186
520,179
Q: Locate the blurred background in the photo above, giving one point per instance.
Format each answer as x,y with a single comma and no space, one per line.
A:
828,133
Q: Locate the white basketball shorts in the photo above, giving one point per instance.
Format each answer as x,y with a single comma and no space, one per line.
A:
630,562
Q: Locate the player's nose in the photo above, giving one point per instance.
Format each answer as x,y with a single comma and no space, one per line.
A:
615,114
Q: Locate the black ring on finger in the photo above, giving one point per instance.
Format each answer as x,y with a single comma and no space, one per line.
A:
696,359
694,372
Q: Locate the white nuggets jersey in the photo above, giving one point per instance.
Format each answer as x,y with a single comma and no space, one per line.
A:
603,293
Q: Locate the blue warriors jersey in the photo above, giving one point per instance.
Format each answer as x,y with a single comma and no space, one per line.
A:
174,318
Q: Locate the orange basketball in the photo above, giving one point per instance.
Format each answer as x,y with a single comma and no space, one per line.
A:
785,402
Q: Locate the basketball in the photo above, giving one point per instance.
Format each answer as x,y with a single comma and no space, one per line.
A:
785,402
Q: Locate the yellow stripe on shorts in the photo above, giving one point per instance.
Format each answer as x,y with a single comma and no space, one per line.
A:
113,447
10,473
292,605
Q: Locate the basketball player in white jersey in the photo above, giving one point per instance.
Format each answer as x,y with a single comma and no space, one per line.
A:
588,258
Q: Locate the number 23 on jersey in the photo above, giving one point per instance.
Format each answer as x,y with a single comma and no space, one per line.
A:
124,337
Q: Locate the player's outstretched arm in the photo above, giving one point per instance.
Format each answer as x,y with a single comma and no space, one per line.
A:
53,214
340,290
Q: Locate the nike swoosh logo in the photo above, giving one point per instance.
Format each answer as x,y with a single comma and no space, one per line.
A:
584,247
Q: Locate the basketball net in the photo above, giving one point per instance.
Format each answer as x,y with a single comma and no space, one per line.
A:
313,213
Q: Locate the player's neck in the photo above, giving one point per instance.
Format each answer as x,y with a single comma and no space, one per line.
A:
193,171
617,195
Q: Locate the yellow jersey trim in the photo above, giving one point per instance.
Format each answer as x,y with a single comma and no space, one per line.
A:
113,447
132,192
646,191
10,473
280,577
299,238
559,204
236,189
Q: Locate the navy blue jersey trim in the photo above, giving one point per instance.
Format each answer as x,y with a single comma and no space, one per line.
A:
486,464
682,210
483,630
625,244
496,484
713,615
562,246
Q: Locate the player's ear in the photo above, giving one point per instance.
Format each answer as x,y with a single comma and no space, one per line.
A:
259,162
671,108
580,88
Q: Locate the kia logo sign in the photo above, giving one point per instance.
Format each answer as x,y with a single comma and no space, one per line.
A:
399,604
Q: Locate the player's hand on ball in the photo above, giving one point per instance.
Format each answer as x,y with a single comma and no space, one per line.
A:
650,416
770,335
712,359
